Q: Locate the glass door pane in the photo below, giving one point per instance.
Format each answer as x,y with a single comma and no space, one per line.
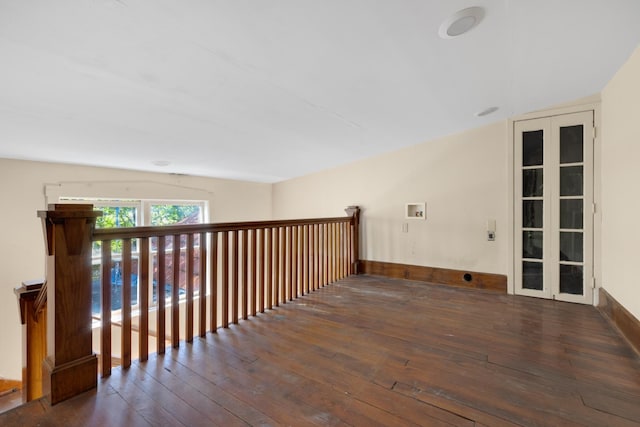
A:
571,212
532,220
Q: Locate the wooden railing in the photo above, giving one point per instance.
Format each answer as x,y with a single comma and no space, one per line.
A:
214,274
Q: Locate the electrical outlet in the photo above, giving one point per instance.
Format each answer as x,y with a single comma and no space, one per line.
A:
405,227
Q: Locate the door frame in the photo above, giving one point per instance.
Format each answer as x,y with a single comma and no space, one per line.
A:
592,105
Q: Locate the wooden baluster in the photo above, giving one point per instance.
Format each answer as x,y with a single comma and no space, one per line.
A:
312,256
261,268
245,274
329,253
213,279
329,258
345,248
175,294
161,286
268,267
292,263
224,292
306,254
343,251
344,240
190,273
284,289
143,299
297,273
347,243
317,261
347,252
283,272
339,274
334,227
126,303
325,254
299,258
236,272
339,263
105,332
276,266
254,272
202,278
332,253
316,257
299,249
321,243
350,249
336,250
320,255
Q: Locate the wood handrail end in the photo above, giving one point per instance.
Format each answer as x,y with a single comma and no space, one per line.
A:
27,291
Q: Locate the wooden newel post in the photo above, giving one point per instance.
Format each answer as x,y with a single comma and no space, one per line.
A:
354,213
34,338
70,367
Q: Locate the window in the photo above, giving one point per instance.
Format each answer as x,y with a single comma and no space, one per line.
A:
132,213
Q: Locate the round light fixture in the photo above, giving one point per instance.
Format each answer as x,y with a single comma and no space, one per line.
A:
486,111
161,163
461,22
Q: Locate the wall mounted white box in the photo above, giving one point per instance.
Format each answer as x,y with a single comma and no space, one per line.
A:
415,211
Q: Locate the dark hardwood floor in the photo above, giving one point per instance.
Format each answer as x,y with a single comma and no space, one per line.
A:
368,351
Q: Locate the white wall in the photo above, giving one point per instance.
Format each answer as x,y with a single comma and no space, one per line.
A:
621,185
462,178
23,186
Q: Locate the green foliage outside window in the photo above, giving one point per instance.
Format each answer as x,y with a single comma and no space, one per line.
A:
115,217
173,214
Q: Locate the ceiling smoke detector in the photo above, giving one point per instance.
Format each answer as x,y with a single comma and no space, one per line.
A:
461,22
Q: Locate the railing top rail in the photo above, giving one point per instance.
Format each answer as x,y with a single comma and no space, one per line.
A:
171,230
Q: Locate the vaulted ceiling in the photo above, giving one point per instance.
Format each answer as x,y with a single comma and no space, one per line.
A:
266,90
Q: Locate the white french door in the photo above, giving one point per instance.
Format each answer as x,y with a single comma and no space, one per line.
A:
553,215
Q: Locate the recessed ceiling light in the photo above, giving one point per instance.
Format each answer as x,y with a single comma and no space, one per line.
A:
461,22
161,163
486,111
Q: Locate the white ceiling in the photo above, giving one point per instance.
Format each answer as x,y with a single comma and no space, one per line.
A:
266,90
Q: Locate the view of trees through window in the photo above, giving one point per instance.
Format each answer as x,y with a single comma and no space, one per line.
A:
175,214
117,216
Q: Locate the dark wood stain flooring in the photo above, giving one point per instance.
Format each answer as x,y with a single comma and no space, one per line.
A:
368,351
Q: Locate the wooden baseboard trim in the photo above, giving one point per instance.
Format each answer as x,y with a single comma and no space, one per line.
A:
9,386
443,276
69,379
621,318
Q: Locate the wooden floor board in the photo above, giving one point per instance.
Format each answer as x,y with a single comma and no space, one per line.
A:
369,351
